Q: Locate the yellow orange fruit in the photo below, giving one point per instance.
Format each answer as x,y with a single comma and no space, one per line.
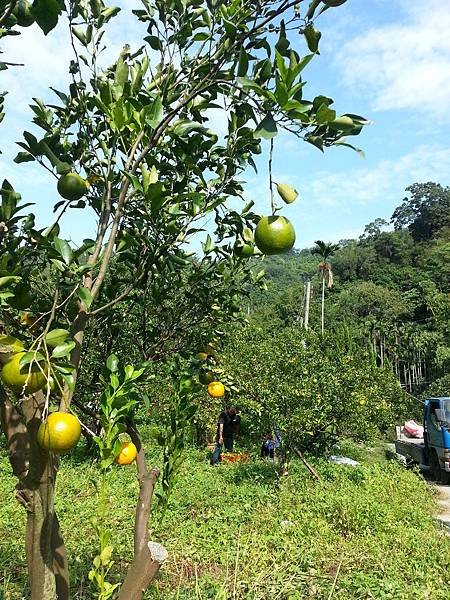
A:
23,378
127,454
59,432
216,389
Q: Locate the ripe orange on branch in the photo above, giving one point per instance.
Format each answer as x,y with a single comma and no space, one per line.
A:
216,389
29,378
127,454
59,432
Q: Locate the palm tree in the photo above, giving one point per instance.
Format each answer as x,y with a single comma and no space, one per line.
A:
325,251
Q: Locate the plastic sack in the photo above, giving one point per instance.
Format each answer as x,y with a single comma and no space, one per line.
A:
344,460
413,429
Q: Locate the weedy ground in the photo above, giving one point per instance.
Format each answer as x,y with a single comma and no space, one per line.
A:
235,532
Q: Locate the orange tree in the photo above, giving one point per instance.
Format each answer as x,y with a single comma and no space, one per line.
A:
131,145
311,389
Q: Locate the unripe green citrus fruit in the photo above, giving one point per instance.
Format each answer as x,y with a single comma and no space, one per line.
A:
22,12
72,186
274,235
206,377
243,249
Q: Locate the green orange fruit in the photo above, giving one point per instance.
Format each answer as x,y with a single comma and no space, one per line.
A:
216,389
274,235
186,385
59,432
72,186
23,14
127,454
23,378
243,249
206,377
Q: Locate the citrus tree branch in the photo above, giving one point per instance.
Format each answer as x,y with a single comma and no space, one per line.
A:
8,11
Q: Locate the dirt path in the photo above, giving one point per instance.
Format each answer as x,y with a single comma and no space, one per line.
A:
444,505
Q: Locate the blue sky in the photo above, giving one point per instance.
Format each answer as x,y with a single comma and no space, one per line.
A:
388,60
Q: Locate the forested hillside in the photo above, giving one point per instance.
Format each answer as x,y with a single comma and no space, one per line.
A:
389,289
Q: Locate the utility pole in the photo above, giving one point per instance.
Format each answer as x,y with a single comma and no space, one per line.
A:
307,299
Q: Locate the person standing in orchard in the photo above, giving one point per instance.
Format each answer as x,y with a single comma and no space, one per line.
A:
227,423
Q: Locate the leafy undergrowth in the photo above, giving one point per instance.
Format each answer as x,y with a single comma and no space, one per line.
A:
362,533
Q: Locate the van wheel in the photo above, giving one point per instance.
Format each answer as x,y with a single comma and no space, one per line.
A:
435,466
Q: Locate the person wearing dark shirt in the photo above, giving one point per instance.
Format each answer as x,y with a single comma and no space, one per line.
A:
227,425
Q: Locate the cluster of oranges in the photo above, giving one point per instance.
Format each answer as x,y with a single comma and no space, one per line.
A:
60,431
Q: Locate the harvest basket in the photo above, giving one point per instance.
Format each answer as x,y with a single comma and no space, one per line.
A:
229,457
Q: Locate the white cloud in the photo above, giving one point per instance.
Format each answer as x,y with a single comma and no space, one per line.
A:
405,64
386,180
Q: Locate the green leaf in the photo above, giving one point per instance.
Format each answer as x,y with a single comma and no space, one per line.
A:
12,343
230,28
184,127
110,12
63,249
154,42
63,349
23,157
208,245
249,84
200,36
9,279
56,337
267,129
152,114
153,175
80,35
121,72
29,357
360,152
32,142
112,363
46,13
85,296
325,115
70,380
243,63
312,38
287,192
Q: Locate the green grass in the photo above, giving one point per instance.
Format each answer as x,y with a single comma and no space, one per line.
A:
232,533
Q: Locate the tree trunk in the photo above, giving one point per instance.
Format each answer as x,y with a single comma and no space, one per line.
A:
36,471
323,304
148,555
45,550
